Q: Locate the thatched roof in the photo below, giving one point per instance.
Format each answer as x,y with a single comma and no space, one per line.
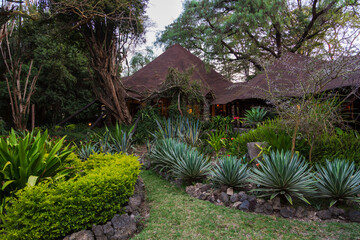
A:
294,74
150,78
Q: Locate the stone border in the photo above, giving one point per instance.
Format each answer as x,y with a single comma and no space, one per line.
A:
121,226
227,197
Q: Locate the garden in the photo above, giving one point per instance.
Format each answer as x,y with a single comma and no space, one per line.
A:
246,127
48,180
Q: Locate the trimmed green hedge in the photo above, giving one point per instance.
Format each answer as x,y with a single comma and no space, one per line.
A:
51,211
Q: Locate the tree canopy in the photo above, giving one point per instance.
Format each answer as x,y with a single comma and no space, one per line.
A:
239,34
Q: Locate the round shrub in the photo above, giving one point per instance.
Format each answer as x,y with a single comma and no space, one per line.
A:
53,210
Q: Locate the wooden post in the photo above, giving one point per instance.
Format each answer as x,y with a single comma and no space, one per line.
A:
32,117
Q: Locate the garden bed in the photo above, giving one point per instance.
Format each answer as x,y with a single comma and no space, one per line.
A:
245,201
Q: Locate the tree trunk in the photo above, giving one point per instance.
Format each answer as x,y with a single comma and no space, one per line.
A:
107,85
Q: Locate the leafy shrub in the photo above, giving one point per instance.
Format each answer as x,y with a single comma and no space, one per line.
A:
146,123
343,146
51,211
221,123
281,173
255,116
217,141
29,159
178,159
277,138
74,133
230,171
338,179
2,127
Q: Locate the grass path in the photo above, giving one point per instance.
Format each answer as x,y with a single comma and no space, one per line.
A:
175,215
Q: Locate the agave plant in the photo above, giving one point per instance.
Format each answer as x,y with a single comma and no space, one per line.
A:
169,128
192,132
255,115
191,165
281,173
230,171
86,149
164,153
338,179
121,139
178,159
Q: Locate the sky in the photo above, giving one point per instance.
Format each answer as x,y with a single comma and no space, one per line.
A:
161,14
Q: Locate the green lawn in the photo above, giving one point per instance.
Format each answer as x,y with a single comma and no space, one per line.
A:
175,215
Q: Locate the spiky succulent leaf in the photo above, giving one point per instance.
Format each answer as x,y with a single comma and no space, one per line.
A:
178,159
230,171
281,173
338,179
255,115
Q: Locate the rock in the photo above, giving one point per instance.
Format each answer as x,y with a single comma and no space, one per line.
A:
97,230
66,238
217,193
212,199
254,150
245,205
353,215
205,187
311,215
242,196
230,191
268,209
287,212
276,203
234,198
236,205
224,197
82,235
260,201
252,200
128,209
300,212
135,202
259,208
324,214
202,196
140,186
336,212
124,226
190,190
108,229
223,188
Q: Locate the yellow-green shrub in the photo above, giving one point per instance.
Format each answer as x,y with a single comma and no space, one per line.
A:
51,211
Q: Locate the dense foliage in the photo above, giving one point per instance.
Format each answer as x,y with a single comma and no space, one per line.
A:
29,159
51,211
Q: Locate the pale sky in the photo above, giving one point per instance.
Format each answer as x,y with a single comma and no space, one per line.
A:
161,13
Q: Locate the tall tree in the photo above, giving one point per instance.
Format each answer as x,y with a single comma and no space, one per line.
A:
240,34
108,27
